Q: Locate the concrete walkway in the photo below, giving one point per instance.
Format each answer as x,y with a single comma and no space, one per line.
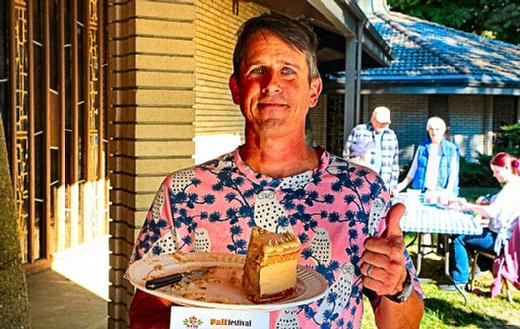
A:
55,302
74,293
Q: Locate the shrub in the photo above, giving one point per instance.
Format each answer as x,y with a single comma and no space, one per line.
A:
476,174
403,170
508,140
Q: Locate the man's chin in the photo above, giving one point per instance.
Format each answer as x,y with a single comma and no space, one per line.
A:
273,127
272,123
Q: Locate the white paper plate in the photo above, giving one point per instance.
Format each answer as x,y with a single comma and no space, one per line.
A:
225,291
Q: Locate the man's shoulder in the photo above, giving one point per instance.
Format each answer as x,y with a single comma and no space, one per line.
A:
389,134
217,164
354,176
361,127
337,166
390,131
340,165
336,160
362,130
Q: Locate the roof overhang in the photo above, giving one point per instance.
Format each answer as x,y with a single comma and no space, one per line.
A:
454,84
335,21
434,59
460,90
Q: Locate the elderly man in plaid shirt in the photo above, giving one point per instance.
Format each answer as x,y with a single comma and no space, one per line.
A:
385,154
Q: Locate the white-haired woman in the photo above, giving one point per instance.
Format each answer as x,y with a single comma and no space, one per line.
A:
436,162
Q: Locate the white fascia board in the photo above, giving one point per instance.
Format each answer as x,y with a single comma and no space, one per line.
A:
336,15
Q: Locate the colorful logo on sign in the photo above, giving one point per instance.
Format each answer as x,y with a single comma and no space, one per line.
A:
192,322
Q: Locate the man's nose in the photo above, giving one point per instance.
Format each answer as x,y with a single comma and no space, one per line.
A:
271,84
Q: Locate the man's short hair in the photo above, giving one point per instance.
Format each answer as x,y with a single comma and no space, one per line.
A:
295,32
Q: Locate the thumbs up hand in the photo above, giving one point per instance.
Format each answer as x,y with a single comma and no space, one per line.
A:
384,268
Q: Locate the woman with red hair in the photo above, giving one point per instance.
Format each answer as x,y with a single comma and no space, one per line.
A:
502,213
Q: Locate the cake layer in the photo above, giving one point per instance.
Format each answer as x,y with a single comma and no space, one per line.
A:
268,259
277,277
271,298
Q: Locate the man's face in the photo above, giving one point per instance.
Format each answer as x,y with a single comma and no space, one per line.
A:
378,126
273,91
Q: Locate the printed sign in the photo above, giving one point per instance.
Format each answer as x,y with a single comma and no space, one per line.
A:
206,318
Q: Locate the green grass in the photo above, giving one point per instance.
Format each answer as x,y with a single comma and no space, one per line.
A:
472,193
447,310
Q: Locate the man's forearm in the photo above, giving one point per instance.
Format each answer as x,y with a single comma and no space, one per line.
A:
149,312
407,315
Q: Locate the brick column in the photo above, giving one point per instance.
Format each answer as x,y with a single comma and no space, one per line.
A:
517,108
152,80
488,124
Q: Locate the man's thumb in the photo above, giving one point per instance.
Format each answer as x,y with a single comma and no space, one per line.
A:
393,217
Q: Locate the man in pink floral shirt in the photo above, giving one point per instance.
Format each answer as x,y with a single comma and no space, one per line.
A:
278,182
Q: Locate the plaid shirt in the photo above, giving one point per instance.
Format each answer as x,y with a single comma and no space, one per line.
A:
389,152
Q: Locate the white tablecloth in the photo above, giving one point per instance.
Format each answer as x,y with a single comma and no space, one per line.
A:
422,218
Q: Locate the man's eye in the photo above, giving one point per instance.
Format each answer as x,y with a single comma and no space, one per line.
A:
257,71
288,71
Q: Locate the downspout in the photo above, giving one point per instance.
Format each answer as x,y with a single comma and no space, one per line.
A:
373,7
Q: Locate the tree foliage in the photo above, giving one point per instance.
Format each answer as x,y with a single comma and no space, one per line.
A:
496,19
479,173
508,139
14,307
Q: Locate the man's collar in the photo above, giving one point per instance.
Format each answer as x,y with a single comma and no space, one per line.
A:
372,128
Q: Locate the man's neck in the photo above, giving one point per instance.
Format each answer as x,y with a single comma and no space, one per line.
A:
378,127
278,158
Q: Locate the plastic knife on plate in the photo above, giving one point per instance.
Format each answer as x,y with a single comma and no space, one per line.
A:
176,277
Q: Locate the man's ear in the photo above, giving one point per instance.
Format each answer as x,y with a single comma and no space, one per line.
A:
234,88
315,91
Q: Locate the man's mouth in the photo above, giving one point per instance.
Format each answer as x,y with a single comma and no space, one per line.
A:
274,105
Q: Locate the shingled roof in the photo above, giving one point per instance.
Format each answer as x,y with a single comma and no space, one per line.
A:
432,58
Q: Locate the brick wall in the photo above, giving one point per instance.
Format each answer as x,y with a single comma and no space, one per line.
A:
505,110
219,125
470,119
318,118
409,114
467,120
215,30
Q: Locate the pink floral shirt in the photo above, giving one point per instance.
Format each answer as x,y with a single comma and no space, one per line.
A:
332,209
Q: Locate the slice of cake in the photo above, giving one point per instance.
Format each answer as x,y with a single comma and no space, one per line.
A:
270,267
